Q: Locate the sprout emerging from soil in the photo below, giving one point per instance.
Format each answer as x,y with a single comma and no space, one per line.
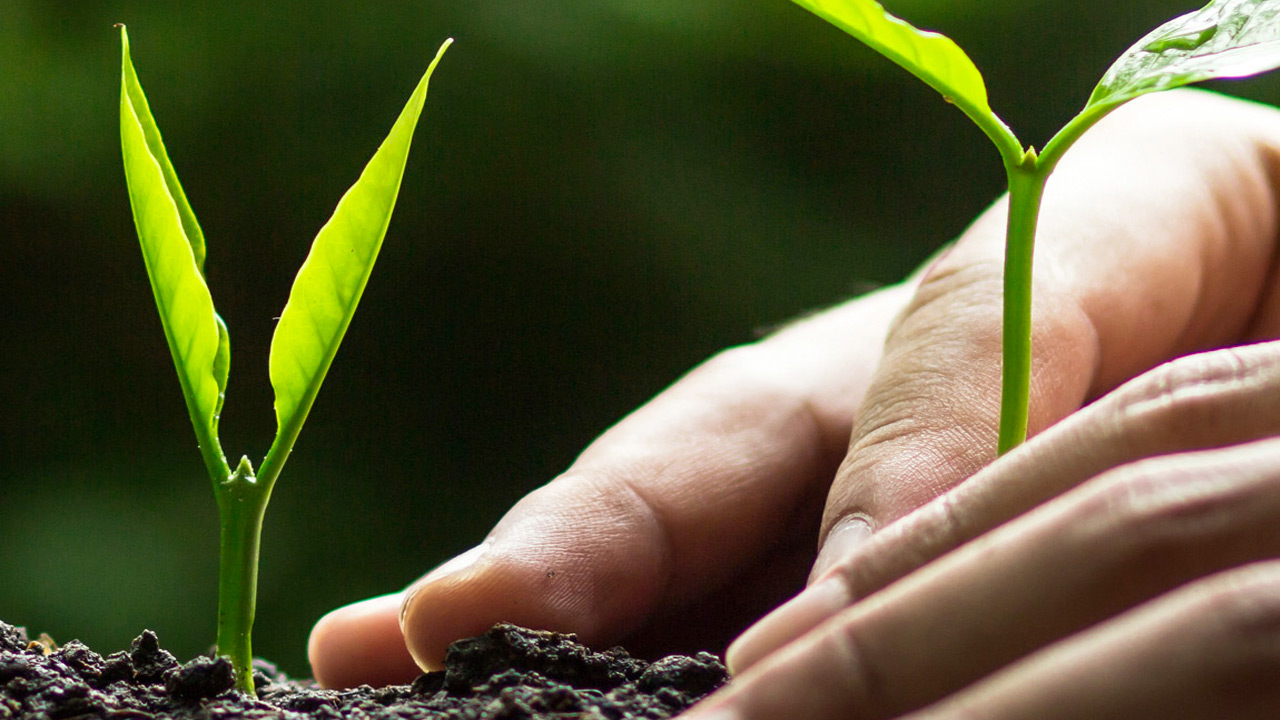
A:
315,318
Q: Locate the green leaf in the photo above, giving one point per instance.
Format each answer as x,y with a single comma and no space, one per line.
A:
1224,39
173,250
930,56
329,285
133,90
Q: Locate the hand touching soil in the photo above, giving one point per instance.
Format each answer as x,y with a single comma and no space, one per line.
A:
1157,241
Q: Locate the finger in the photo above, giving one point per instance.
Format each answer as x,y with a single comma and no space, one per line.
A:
361,643
1113,543
674,501
726,469
1156,239
1199,401
1209,650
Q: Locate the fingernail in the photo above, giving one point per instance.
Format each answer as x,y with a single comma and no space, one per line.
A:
793,619
847,536
449,567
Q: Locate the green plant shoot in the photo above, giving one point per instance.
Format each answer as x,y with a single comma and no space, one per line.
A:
320,306
1224,39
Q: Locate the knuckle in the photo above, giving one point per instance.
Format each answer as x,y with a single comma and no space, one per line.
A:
1160,512
968,277
747,366
862,687
955,297
775,401
1245,601
1243,607
1185,396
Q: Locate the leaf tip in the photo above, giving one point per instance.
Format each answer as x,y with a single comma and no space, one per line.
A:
440,53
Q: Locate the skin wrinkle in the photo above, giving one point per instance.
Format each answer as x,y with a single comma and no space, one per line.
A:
1244,619
1241,205
1248,612
797,411
646,512
1174,385
1208,386
859,676
1188,514
913,382
1136,419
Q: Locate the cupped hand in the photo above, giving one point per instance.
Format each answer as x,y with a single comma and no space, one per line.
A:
698,511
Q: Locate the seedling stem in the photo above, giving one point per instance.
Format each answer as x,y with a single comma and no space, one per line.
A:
1026,187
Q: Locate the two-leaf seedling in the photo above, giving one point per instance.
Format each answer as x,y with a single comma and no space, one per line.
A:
315,318
1224,39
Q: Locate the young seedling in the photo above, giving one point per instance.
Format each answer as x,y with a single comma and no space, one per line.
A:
1224,39
315,318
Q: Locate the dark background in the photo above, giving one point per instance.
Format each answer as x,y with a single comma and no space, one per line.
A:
601,193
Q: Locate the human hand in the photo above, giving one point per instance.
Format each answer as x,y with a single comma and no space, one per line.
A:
929,628
649,521
1120,596
702,503
1157,239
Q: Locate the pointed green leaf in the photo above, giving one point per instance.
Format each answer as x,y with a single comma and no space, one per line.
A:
196,335
155,145
930,56
329,285
1224,39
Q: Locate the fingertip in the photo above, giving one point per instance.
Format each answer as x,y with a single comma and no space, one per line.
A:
470,594
796,617
361,644
437,613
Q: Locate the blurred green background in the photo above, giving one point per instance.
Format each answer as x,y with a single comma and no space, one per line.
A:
601,193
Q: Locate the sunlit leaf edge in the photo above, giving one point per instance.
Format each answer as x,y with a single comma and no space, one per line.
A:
309,323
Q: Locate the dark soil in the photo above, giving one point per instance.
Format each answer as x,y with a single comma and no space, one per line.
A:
508,673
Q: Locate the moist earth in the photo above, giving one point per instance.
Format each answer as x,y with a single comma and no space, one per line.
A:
509,673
